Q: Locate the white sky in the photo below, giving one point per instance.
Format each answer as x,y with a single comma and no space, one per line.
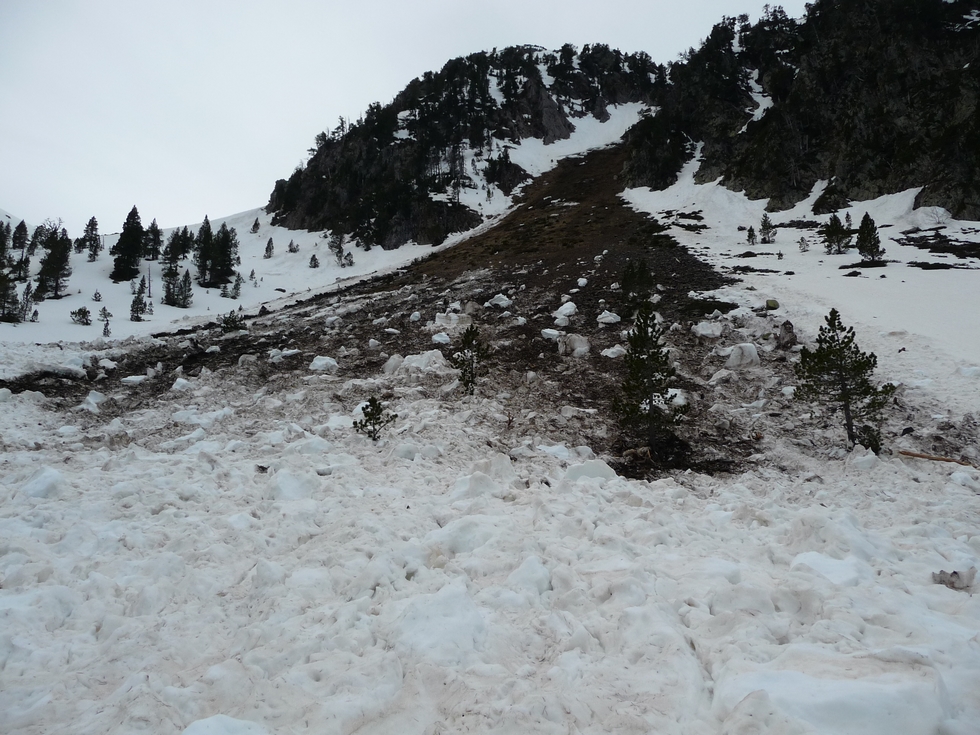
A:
186,108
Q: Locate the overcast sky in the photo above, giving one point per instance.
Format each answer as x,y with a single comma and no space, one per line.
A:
194,107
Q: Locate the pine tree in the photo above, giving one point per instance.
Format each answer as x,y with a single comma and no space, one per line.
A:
81,315
750,238
376,417
292,247
18,241
767,232
9,303
236,289
128,249
314,262
269,249
644,405
152,241
171,284
469,359
224,256
836,237
255,226
26,301
5,232
185,291
138,306
838,375
868,242
52,278
96,296
91,239
335,245
204,252
104,316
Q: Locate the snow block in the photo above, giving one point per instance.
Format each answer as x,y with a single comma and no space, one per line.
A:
475,486
862,459
573,345
323,364
5,395
965,479
46,483
608,317
447,627
743,356
594,468
847,572
92,401
531,576
287,486
708,330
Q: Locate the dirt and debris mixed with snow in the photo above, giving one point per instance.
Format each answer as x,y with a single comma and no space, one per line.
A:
194,539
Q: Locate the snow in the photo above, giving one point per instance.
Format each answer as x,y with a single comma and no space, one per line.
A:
921,324
232,559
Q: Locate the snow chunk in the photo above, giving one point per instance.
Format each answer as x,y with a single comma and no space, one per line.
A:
133,379
743,356
551,334
287,486
847,572
614,351
5,395
446,627
475,486
531,575
864,461
92,401
965,479
708,330
500,300
181,384
323,364
574,345
224,725
426,362
441,338
45,483
594,468
608,317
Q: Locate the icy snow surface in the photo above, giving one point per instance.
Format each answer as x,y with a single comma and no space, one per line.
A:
228,563
223,562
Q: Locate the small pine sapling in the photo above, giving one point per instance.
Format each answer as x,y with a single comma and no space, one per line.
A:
232,322
767,231
255,226
836,237
292,247
96,296
644,406
750,238
376,417
81,315
804,245
838,375
868,242
470,359
314,261
269,249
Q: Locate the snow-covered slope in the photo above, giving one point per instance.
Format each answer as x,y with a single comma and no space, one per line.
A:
924,325
222,553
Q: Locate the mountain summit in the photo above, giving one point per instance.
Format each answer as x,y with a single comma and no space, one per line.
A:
873,97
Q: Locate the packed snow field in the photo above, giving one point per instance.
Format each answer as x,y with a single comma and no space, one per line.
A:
232,557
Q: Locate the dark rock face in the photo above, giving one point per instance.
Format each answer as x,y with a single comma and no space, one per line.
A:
876,97
375,179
